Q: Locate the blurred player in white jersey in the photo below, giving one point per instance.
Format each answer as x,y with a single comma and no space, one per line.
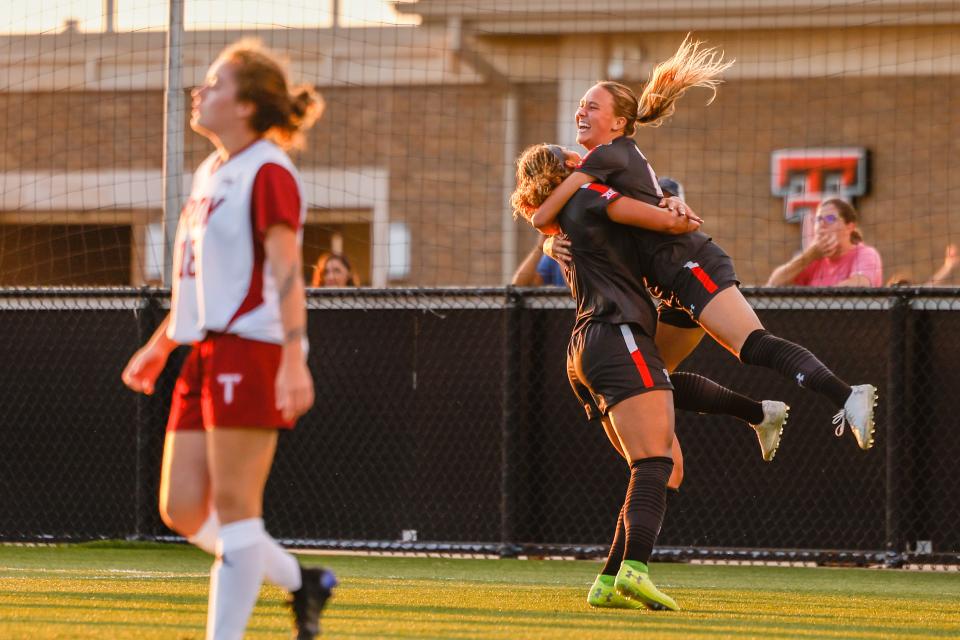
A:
238,299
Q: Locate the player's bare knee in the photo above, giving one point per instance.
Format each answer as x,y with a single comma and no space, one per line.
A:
233,504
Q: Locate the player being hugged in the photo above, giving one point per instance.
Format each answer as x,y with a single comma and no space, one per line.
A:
613,365
238,299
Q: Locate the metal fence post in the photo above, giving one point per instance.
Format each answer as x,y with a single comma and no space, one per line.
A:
896,426
509,436
173,125
141,315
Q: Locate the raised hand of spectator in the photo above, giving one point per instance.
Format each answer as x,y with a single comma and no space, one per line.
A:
951,258
824,245
950,261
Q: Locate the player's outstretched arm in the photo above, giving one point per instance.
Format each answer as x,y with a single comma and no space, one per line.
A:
145,365
547,212
646,216
294,385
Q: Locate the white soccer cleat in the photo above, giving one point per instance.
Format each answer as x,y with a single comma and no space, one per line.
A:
769,431
858,413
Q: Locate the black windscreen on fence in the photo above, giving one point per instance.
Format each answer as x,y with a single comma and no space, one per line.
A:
70,432
444,422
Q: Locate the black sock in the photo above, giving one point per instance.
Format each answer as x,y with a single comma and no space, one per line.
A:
615,557
692,392
764,349
645,505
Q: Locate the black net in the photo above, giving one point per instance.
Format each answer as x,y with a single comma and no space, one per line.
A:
820,492
70,432
444,422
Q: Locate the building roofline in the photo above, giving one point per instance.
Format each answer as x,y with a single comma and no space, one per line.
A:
523,17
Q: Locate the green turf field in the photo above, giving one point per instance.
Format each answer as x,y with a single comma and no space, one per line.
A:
159,591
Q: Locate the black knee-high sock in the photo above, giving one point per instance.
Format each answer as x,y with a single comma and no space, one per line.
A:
764,349
692,392
645,505
615,557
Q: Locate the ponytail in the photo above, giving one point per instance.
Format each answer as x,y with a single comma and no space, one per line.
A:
282,114
689,67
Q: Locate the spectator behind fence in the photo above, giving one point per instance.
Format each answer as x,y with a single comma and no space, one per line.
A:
837,257
334,270
539,269
950,260
671,187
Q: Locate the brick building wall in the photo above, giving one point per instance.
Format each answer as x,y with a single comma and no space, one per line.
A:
443,148
81,130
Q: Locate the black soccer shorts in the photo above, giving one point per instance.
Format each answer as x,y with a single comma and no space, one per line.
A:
702,277
608,363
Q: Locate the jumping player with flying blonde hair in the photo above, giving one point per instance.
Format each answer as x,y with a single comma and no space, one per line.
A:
238,299
692,274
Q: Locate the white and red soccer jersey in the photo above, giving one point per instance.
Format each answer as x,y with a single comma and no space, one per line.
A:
222,281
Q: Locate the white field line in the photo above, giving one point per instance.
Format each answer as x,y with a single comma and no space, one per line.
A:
112,574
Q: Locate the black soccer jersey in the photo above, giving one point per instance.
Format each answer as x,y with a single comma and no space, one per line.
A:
601,277
621,165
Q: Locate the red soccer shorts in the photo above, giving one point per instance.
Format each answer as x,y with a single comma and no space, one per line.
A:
227,381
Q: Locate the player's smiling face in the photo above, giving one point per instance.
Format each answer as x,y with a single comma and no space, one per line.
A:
215,108
596,122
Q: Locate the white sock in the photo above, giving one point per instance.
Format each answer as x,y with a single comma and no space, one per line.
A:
206,536
235,578
280,567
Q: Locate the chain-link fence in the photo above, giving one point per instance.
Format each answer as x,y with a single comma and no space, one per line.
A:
429,104
444,422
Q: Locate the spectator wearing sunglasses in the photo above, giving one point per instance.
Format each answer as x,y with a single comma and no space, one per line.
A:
837,257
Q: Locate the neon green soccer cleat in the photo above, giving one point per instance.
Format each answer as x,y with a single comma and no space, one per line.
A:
603,594
633,581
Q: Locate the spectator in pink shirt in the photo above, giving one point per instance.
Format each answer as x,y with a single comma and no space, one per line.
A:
837,257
